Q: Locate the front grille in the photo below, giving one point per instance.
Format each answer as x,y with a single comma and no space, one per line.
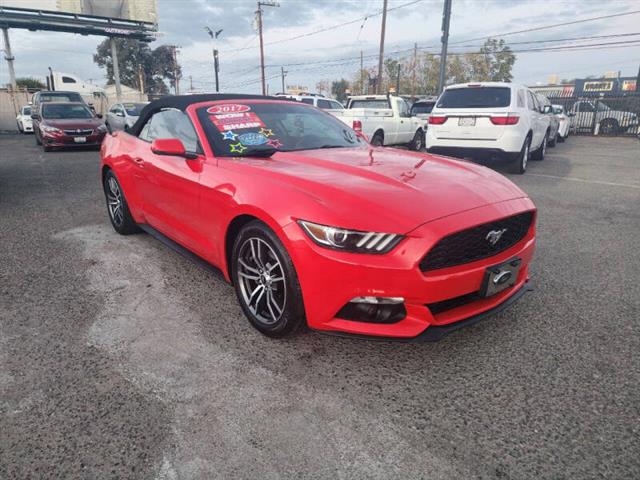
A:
80,132
472,244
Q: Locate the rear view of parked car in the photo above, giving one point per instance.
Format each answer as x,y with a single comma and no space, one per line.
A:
45,96
24,120
563,122
422,109
122,116
489,121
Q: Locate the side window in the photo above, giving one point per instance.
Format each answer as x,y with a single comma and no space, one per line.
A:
336,105
533,104
521,102
324,104
308,101
403,108
585,107
171,124
68,80
114,109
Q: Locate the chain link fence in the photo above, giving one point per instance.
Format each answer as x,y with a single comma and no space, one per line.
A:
611,115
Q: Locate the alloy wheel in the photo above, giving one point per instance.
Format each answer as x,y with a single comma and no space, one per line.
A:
114,201
261,280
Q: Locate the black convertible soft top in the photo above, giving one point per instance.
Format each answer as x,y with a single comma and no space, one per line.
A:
181,102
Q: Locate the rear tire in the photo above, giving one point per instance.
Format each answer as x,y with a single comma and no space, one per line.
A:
38,141
417,143
520,165
561,139
117,206
609,126
552,142
266,282
378,139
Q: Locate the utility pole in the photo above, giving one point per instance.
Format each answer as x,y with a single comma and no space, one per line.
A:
361,73
446,17
398,80
141,81
216,63
116,68
384,23
190,83
12,74
283,74
413,73
176,68
259,19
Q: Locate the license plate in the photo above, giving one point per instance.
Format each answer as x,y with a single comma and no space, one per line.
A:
80,139
500,277
467,121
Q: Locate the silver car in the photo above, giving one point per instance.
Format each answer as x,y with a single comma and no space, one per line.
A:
122,116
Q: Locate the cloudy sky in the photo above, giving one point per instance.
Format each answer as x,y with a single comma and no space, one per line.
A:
290,40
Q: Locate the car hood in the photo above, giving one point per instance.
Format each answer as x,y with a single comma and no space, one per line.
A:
72,123
370,188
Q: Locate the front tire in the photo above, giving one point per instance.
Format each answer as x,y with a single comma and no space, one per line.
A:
542,150
418,141
266,282
117,206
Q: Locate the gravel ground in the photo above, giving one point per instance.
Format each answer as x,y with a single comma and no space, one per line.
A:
121,359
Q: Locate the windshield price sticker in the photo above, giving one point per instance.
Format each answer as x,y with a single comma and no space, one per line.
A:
236,121
228,108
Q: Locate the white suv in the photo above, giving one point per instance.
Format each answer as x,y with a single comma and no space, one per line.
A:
487,121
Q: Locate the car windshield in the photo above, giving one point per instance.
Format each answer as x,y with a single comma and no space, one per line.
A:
370,103
475,97
62,111
418,108
26,111
61,97
239,128
133,109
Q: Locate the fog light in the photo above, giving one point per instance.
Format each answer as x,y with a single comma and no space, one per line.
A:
378,300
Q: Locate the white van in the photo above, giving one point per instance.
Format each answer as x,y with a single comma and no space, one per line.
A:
489,121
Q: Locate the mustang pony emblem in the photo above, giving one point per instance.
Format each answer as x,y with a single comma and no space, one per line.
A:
494,236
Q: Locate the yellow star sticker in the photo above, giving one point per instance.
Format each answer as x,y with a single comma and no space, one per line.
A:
237,148
267,132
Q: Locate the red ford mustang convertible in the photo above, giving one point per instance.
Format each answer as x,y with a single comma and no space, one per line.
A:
312,224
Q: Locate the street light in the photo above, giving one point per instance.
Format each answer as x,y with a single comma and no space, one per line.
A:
216,67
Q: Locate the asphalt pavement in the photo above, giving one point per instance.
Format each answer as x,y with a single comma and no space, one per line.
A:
121,359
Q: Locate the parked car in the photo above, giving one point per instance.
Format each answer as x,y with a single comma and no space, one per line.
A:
312,224
564,124
489,121
23,120
317,101
385,120
67,124
44,96
554,122
122,116
608,120
422,108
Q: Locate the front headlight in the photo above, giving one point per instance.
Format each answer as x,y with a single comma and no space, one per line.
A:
350,240
48,129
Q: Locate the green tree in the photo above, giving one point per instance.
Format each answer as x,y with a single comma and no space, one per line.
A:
499,60
140,64
339,88
29,82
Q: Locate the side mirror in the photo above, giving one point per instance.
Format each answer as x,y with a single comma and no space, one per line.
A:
99,115
120,114
547,109
172,147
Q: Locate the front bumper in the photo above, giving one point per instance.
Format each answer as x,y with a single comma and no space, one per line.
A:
57,140
330,279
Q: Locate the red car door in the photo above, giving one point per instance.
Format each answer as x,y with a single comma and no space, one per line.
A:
169,185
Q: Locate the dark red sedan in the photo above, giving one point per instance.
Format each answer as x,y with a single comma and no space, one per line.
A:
313,225
67,124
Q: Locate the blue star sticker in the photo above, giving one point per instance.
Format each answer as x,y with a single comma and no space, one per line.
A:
229,135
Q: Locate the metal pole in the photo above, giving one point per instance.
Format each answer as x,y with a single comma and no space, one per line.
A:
259,13
116,68
398,80
446,18
9,58
216,67
361,73
283,74
384,22
413,73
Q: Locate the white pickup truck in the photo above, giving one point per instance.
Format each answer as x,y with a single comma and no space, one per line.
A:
386,120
